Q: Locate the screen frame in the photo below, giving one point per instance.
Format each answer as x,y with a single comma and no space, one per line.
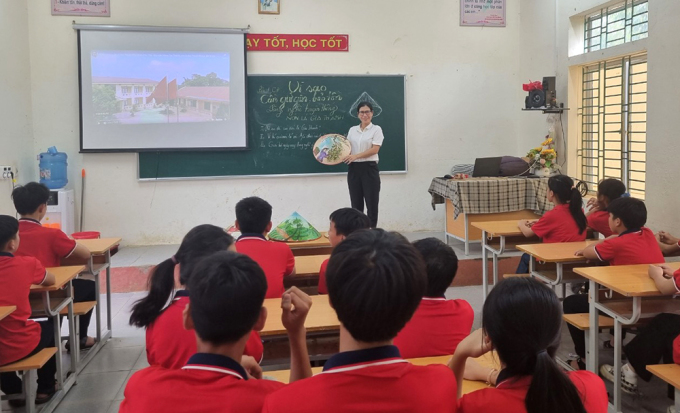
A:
80,27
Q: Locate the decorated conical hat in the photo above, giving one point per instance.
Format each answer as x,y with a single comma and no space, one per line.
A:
331,149
294,229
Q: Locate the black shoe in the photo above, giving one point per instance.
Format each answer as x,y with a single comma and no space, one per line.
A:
17,403
47,396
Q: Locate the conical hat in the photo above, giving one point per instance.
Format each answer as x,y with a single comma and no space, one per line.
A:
294,229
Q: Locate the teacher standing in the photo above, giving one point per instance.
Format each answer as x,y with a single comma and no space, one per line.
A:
363,176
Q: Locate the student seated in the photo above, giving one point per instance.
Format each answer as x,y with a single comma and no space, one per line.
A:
522,323
632,244
168,343
658,340
669,244
254,220
50,246
227,291
598,218
564,223
438,324
19,336
375,282
344,221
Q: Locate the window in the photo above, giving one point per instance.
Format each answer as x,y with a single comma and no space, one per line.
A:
206,106
613,111
138,101
149,89
622,23
125,89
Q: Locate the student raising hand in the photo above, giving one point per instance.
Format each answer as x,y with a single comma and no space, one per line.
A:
295,305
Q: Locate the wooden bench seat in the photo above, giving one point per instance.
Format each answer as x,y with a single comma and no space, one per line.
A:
650,308
670,373
28,368
582,321
34,362
80,308
505,276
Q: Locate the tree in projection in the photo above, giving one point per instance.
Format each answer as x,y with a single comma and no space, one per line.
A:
210,79
104,99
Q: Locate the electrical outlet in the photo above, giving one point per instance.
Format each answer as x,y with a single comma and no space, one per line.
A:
8,172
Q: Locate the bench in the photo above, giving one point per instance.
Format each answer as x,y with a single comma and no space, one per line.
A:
78,310
27,368
670,373
506,276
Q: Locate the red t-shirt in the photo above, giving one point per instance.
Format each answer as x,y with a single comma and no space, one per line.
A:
48,245
323,289
436,328
676,350
509,395
599,221
373,380
557,225
208,383
170,345
18,335
631,247
275,258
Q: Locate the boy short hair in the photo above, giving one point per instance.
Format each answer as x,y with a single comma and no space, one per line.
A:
375,280
9,226
253,215
611,188
28,198
348,220
631,211
226,291
441,264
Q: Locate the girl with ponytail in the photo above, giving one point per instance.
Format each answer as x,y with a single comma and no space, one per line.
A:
564,223
522,322
167,342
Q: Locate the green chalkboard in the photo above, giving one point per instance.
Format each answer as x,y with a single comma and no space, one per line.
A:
286,115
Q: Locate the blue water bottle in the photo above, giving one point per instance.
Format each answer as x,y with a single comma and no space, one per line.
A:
53,168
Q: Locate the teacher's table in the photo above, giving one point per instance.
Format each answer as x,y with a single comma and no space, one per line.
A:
6,310
487,360
319,246
487,199
51,306
560,253
508,235
321,317
631,281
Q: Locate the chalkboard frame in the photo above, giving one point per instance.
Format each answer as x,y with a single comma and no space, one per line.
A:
300,175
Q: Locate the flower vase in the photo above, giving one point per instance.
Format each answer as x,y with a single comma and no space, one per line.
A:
543,172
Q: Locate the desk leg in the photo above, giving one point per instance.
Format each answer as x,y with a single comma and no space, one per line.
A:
593,359
29,379
72,328
98,308
617,365
677,400
57,342
467,235
485,268
108,292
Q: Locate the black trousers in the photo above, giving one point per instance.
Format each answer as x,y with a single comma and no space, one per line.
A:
576,304
84,290
10,383
654,343
363,179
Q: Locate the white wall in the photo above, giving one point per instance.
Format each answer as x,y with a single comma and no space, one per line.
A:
16,137
463,100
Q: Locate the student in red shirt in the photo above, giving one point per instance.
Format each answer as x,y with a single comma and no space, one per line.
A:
375,282
51,245
168,343
632,244
344,221
564,223
657,340
598,218
254,220
522,322
438,324
19,336
227,292
669,244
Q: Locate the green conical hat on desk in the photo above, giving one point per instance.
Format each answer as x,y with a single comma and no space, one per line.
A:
294,229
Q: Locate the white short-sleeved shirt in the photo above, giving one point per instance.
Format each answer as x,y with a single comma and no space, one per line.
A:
364,140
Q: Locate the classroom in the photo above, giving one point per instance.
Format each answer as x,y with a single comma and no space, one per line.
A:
452,97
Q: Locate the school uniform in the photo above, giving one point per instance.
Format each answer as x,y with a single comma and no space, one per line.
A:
49,246
510,392
323,289
207,383
19,336
372,380
556,225
363,175
635,246
598,221
275,258
170,345
436,328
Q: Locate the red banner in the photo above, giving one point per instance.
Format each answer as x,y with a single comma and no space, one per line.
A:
298,42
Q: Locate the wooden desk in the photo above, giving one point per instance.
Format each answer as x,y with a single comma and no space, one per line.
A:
309,265
6,310
505,231
321,317
319,246
670,373
468,385
630,281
